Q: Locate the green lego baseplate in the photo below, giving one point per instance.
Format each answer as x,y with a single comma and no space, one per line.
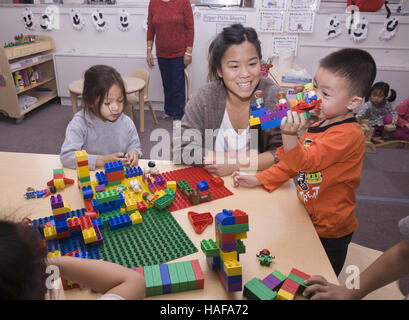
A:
158,239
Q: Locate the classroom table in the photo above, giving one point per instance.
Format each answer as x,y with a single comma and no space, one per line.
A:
277,221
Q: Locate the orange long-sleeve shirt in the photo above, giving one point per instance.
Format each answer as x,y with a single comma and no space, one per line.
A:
328,163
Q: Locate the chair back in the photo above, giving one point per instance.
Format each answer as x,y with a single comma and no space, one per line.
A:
144,75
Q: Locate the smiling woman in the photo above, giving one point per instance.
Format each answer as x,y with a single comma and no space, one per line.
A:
217,116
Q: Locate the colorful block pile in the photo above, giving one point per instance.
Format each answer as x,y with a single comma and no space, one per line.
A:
276,286
114,172
172,277
223,255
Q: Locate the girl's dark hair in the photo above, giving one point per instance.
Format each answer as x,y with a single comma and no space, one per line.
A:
234,34
22,263
384,88
97,81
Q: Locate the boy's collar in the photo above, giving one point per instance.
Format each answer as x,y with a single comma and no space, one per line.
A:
318,128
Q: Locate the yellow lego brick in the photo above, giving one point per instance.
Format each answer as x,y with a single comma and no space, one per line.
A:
232,268
59,184
241,235
171,185
81,155
89,235
83,171
64,209
225,256
160,193
284,295
50,233
254,121
56,253
83,184
136,217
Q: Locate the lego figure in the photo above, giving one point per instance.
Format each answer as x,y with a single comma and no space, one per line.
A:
311,94
152,167
282,101
299,89
259,98
265,257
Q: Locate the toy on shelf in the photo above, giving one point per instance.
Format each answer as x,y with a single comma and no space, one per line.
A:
200,220
264,257
21,40
306,102
172,277
223,255
276,286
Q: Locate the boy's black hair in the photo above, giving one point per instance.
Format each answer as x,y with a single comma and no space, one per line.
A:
98,80
234,34
22,263
355,65
384,88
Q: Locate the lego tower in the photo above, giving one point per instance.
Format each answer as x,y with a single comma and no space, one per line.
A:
84,179
223,255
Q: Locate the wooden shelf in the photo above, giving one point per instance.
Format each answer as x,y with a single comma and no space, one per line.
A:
40,101
31,65
36,85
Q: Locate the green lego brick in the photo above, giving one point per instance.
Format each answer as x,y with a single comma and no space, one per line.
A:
256,290
85,179
182,184
241,248
158,239
233,228
209,248
165,200
107,196
58,171
149,291
114,183
191,279
110,214
174,278
298,280
279,275
182,276
157,280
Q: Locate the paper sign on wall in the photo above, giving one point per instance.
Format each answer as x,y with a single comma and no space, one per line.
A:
284,42
271,21
300,21
273,4
232,18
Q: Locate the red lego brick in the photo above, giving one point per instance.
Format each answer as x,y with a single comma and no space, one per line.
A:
74,224
91,214
71,254
290,286
240,216
217,181
198,274
88,205
85,222
58,176
228,237
141,206
82,163
300,274
115,176
200,220
63,235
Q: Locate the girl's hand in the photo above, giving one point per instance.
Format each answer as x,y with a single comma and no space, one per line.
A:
244,180
221,170
149,60
322,290
102,159
292,123
187,60
132,157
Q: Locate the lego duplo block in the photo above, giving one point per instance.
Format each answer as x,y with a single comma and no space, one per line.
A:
115,176
56,253
61,225
190,275
225,256
226,246
82,163
240,216
174,277
284,295
166,283
73,224
232,268
171,185
157,280
203,185
56,201
217,181
59,184
290,286
101,178
256,290
200,220
182,276
50,233
136,217
85,222
209,248
149,286
130,203
235,228
83,171
299,273
198,274
87,192
241,235
81,155
65,209
253,121
107,196
225,218
120,221
113,166
89,235
298,280
231,284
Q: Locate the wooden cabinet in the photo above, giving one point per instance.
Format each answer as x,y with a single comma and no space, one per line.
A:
35,60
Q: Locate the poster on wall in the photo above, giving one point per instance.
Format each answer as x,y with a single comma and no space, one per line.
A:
232,18
300,21
304,4
284,42
271,21
273,4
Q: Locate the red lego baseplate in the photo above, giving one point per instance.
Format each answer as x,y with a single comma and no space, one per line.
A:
193,175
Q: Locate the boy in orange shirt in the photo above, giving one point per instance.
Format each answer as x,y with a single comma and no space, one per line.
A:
328,158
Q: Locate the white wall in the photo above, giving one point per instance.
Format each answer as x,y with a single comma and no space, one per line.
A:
85,46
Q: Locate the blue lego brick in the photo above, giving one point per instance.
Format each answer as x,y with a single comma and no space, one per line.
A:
108,206
61,225
101,177
133,172
225,218
98,222
82,255
259,112
30,194
203,185
254,106
232,279
40,193
76,213
166,283
214,262
113,166
119,222
271,124
87,192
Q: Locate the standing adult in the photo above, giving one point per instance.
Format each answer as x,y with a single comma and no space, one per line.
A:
170,23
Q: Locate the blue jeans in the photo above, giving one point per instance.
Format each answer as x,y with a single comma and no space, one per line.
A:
173,80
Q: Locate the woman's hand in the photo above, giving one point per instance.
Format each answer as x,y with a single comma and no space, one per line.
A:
187,60
244,180
149,59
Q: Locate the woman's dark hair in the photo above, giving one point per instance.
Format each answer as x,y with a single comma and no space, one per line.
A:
97,81
234,34
22,263
384,88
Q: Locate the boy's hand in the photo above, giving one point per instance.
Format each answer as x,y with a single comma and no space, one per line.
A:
292,123
244,180
132,158
102,159
322,290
